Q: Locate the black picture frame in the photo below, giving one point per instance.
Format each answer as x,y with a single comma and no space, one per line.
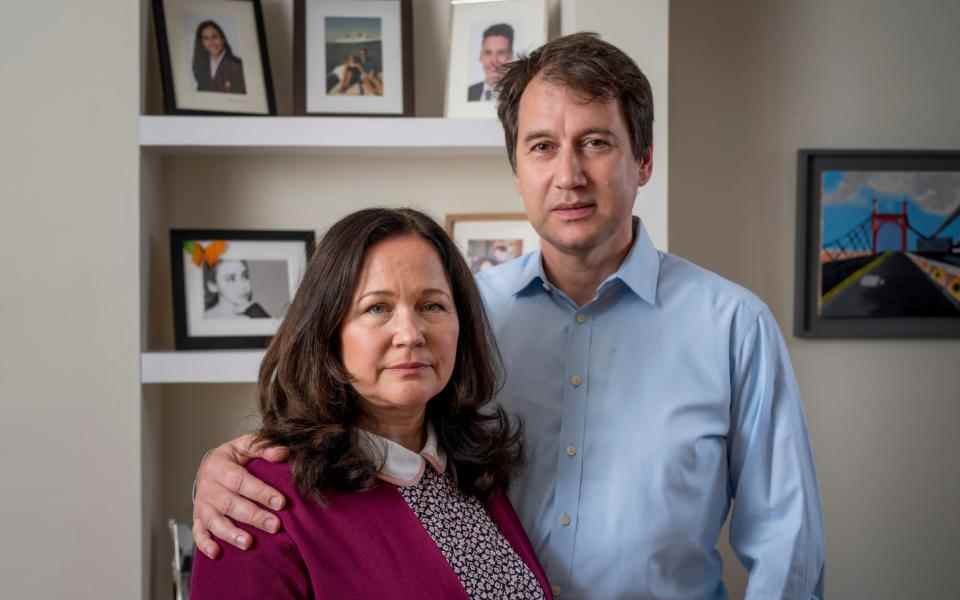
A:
301,77
186,336
174,105
848,273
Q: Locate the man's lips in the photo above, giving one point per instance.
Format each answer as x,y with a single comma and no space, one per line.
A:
572,212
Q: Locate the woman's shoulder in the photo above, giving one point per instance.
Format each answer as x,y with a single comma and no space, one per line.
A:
278,475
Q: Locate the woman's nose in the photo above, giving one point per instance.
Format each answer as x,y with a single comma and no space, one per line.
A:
409,328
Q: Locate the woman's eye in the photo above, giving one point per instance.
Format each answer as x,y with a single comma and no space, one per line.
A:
377,309
434,307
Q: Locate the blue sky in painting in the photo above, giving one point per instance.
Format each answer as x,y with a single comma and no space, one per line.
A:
841,217
337,27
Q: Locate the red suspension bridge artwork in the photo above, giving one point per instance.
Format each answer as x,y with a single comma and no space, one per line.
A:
890,244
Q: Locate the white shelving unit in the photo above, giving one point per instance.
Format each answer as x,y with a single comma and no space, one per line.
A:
173,135
234,366
374,136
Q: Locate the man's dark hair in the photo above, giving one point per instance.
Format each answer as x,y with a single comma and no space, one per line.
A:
589,66
306,398
501,29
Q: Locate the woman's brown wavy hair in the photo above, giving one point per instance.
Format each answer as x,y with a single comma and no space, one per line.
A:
309,405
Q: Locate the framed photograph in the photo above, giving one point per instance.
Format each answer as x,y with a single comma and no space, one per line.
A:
488,240
213,57
353,57
483,37
231,289
878,244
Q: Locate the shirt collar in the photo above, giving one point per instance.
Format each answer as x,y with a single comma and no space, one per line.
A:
401,466
639,271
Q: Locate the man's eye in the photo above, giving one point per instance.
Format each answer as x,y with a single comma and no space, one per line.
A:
540,147
596,143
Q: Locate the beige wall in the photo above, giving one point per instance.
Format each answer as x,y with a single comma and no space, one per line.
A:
751,82
69,300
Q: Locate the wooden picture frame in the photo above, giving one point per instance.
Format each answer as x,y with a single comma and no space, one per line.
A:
878,244
238,82
490,239
353,58
232,288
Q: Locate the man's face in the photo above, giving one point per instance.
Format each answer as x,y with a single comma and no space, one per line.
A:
496,51
576,170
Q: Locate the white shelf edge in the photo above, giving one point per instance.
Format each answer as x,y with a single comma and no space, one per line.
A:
212,366
192,133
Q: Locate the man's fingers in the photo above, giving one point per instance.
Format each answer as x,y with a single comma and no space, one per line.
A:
274,453
203,541
211,520
237,480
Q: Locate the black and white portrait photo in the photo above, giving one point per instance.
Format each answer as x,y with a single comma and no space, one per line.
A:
245,289
213,57
231,289
485,36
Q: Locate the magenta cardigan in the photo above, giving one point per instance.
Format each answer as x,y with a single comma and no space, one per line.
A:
360,545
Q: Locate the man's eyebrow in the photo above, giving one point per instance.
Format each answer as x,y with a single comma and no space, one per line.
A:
546,133
537,133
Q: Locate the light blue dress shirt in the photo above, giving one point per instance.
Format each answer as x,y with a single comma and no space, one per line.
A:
648,412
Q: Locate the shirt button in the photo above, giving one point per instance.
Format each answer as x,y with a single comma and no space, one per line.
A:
571,450
556,590
581,319
565,520
576,380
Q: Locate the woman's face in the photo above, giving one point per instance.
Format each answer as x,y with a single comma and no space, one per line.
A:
233,282
399,339
212,40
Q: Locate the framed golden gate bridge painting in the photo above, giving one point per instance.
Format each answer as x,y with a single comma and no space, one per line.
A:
878,244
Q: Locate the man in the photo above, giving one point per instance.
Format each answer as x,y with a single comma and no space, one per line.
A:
654,393
495,51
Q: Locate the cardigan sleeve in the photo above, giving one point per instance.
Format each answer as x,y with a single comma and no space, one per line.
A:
272,568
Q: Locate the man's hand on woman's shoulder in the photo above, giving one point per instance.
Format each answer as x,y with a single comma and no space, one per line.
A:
225,491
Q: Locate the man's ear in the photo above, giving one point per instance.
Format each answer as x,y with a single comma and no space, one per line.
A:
645,165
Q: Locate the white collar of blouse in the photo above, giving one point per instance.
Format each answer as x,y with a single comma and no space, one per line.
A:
404,467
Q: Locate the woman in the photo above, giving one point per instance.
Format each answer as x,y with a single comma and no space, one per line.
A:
215,67
379,381
228,293
348,78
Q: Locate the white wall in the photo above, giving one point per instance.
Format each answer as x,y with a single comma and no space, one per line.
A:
69,300
642,30
752,82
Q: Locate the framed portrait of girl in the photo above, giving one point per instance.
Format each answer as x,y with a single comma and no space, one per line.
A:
213,57
232,288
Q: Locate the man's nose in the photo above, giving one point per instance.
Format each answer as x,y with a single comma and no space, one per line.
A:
569,173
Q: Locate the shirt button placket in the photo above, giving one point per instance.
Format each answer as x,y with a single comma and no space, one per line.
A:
570,467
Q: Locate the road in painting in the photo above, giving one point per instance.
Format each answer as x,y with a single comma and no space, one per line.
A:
890,244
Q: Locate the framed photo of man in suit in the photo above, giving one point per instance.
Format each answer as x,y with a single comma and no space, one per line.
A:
484,37
213,57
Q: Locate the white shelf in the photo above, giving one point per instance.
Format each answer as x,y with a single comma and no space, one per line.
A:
380,135
212,366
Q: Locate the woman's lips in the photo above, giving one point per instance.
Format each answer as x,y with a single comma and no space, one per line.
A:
408,368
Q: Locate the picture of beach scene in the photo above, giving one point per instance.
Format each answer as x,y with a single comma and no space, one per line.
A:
354,54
